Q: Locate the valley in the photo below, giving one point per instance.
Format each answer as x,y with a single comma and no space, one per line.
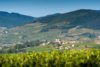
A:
72,26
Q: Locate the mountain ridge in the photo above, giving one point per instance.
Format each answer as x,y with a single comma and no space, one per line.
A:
75,25
84,17
14,19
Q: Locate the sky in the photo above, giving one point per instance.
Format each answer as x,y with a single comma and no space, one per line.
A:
38,8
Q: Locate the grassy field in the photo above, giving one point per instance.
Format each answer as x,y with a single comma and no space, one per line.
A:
89,45
38,49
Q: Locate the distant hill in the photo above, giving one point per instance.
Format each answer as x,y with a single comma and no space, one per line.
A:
75,25
14,19
84,17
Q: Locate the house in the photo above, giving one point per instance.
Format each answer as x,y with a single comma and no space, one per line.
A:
97,41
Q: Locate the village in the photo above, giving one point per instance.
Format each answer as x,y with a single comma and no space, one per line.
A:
60,44
71,44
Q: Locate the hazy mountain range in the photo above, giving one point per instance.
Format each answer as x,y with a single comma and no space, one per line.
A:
84,17
14,19
83,23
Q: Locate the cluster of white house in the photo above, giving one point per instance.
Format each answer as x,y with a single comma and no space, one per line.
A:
64,44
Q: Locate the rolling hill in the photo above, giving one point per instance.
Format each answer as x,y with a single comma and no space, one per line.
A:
75,25
14,19
84,17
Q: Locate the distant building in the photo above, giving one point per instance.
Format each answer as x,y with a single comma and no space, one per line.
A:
43,44
97,41
0,48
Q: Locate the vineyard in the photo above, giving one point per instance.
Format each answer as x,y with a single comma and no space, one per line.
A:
67,58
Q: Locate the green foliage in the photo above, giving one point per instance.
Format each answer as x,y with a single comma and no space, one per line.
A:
70,58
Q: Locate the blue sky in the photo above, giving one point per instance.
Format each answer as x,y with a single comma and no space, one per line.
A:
39,8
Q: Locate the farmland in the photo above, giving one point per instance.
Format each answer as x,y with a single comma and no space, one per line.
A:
66,58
